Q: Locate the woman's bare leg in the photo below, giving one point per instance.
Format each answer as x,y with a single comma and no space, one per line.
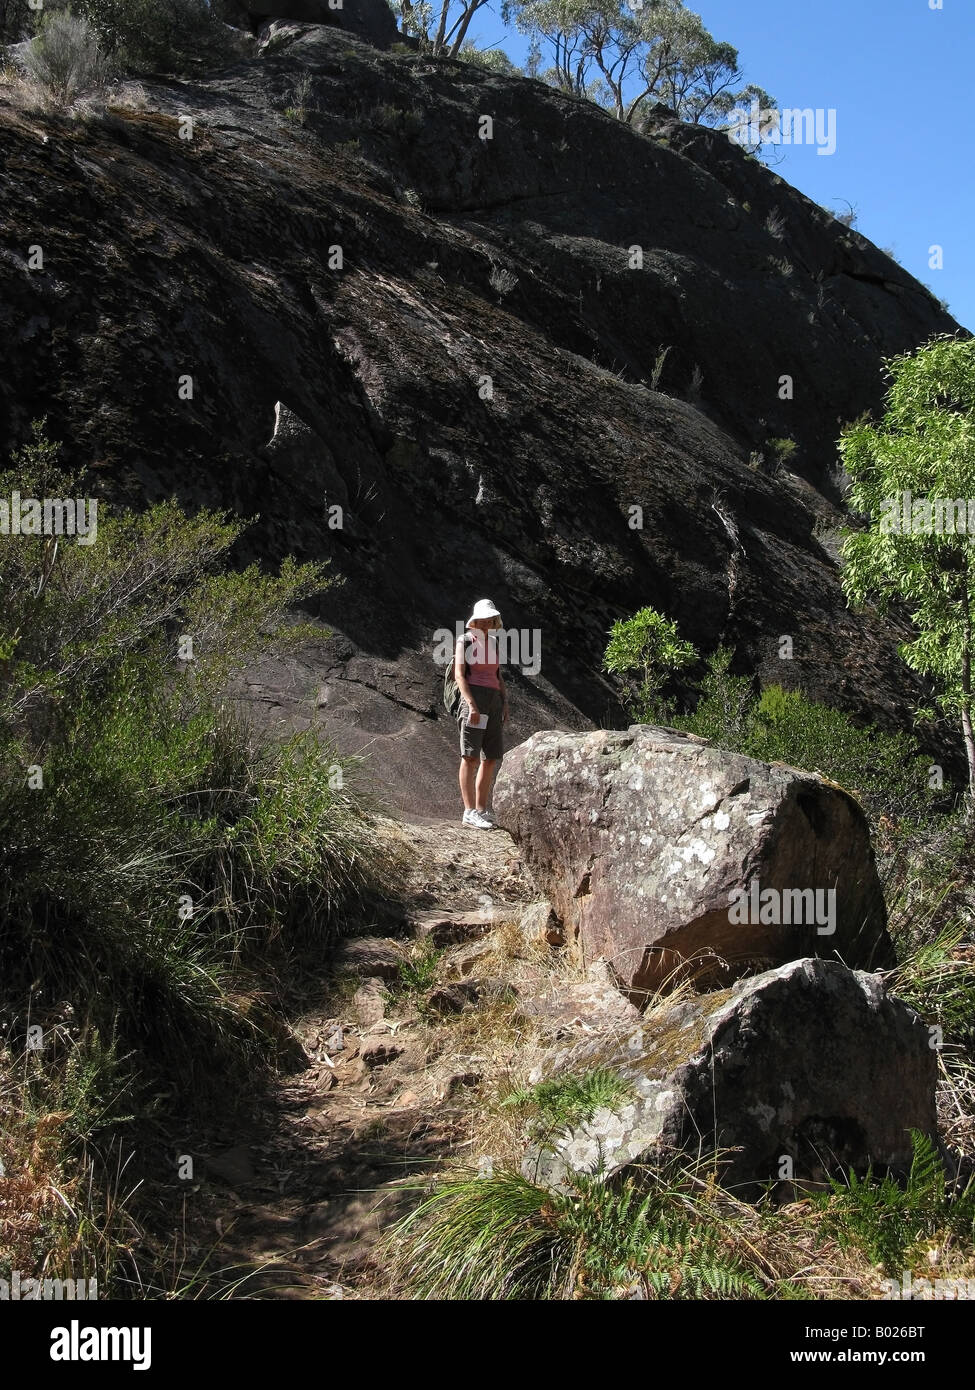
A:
485,776
489,799
468,773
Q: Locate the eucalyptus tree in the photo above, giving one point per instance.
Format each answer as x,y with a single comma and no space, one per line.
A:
629,54
913,479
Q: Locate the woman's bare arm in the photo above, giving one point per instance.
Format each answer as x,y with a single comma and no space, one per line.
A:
460,675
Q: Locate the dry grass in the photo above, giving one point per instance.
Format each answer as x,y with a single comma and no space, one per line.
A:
63,1204
795,1257
121,97
956,1109
32,1214
30,97
22,92
787,1245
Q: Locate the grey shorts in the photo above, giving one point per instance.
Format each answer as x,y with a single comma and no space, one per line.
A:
489,742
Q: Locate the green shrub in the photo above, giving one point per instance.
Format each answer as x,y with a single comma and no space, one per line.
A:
158,845
159,35
491,59
65,59
725,706
644,652
783,449
419,973
566,1101
886,772
396,119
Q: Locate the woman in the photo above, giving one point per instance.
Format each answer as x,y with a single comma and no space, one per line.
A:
477,671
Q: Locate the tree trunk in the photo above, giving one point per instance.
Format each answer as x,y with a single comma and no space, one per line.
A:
966,699
438,43
469,13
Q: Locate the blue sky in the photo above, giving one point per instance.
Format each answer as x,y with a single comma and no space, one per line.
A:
898,74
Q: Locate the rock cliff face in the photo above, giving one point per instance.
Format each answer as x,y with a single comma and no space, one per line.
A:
447,292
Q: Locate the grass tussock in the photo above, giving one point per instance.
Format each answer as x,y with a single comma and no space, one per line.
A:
672,1233
633,1237
668,1233
62,63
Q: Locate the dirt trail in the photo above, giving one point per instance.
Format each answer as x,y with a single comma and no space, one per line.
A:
303,1192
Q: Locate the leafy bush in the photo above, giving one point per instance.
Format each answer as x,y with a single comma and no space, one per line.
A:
65,59
725,705
783,449
419,973
644,652
492,59
886,772
159,35
922,561
396,120
150,843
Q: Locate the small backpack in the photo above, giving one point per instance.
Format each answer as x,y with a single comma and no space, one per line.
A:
452,697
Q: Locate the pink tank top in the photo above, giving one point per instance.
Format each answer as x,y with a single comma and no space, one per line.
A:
482,659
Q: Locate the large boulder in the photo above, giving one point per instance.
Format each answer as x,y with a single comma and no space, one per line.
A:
371,20
801,1071
669,856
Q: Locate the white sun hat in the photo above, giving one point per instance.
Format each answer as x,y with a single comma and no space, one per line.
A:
483,608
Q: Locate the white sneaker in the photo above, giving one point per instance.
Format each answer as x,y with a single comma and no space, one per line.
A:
477,821
489,815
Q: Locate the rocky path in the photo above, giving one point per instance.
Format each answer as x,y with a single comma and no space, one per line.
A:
397,1050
